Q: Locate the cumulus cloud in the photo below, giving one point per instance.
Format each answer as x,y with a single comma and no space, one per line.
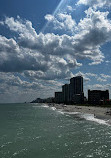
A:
44,52
95,3
62,22
99,86
50,56
85,77
15,58
92,76
84,44
17,87
105,76
101,79
91,32
69,8
10,80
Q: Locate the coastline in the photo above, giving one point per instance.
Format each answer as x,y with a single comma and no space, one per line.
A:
98,112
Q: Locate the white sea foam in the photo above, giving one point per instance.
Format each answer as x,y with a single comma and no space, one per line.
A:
53,108
72,113
61,111
45,106
91,117
37,105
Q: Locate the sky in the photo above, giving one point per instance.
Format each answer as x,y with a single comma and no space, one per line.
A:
45,43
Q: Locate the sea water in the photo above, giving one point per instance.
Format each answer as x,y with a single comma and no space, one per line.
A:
38,131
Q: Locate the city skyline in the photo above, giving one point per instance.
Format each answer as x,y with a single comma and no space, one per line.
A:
44,44
73,93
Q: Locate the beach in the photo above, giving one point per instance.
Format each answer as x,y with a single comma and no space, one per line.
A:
99,112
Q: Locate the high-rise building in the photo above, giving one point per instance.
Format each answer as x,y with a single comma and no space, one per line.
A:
66,93
58,97
76,89
97,96
76,84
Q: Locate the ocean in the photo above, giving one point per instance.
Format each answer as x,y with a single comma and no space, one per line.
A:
39,131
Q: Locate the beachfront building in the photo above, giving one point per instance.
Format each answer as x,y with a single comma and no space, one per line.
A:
66,93
58,97
76,90
71,93
98,97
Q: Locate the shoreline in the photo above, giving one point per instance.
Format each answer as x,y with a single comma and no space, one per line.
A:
98,112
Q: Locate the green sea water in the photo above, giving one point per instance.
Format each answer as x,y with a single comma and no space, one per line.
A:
38,131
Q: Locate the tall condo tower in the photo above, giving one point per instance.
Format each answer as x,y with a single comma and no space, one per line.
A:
76,89
66,93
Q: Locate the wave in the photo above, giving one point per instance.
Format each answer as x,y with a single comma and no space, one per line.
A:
45,106
53,108
61,111
72,113
91,117
38,105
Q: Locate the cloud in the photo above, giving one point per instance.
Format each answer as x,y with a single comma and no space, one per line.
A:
90,34
99,86
10,80
15,59
85,77
69,8
101,79
105,76
23,27
84,44
95,3
59,69
17,87
61,21
92,76
51,56
40,62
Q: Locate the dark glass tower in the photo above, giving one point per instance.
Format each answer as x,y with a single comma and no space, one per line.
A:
66,93
76,89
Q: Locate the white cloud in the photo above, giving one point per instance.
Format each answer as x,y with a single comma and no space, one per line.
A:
108,61
84,44
95,3
85,77
91,74
61,21
47,57
15,59
69,8
105,76
23,27
101,79
40,52
49,17
99,86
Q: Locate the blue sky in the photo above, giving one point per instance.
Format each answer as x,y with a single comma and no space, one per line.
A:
45,43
